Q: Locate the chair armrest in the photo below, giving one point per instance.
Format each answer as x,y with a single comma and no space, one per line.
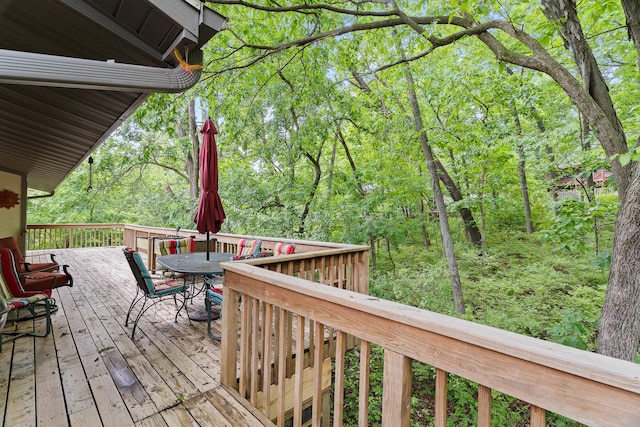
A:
52,277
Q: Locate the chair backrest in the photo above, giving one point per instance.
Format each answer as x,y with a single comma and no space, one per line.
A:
283,248
176,246
139,270
248,248
11,243
9,273
5,293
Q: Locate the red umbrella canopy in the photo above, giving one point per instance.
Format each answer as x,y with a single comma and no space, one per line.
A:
210,213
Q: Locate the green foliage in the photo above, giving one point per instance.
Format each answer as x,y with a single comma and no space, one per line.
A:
574,330
574,220
517,285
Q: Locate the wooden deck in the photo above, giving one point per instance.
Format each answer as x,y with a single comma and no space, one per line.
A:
88,371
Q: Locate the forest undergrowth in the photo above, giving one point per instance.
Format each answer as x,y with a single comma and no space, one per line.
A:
519,284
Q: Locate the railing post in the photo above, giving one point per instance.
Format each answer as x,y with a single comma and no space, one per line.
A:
396,390
229,338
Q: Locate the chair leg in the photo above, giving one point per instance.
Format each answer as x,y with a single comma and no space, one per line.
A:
185,298
142,311
133,303
17,334
207,306
208,302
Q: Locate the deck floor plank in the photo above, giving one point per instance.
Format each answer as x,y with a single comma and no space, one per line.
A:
22,382
50,406
5,373
89,372
112,409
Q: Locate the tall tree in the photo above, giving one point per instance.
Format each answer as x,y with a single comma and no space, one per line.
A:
510,42
445,231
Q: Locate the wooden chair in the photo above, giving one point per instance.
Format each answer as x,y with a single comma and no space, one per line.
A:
15,297
152,289
36,276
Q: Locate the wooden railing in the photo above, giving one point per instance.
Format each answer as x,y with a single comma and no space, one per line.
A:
585,387
65,236
283,313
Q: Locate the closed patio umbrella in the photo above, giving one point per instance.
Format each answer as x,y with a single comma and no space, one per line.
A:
210,213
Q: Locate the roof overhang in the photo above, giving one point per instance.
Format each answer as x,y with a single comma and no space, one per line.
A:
71,71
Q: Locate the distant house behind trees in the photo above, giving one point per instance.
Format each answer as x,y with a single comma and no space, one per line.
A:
572,184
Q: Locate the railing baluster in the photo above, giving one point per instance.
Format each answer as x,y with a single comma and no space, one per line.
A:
538,417
396,390
245,342
317,375
298,397
338,399
255,350
266,357
484,406
441,397
363,394
282,366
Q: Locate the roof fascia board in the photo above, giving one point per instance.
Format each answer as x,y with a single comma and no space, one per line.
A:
212,19
92,14
58,71
180,12
179,42
190,17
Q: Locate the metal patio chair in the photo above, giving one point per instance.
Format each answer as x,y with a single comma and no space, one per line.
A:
152,289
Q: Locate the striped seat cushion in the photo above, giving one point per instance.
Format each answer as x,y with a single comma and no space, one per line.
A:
176,246
17,303
248,248
283,248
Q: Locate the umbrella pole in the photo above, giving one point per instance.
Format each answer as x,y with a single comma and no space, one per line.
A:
207,245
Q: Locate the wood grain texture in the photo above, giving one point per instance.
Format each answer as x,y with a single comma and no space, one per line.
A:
88,372
536,371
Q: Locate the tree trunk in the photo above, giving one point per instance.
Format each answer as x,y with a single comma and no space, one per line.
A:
620,320
425,232
471,227
632,14
524,189
193,163
553,177
331,166
445,231
372,243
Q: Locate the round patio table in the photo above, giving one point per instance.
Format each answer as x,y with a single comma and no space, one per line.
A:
195,263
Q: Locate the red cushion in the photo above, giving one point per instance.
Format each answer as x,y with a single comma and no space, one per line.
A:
10,243
42,280
12,278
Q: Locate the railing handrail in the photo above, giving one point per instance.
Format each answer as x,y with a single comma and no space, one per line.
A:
76,225
587,387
